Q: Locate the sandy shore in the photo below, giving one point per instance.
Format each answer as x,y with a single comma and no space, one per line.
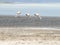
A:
29,36
41,42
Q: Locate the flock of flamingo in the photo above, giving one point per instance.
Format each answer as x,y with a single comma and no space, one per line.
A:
27,14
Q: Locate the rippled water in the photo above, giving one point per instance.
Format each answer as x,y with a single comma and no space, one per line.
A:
11,21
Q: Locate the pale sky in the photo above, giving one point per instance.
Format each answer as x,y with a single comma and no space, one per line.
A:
32,1
44,7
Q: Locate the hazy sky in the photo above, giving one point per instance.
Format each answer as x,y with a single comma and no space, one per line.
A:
52,8
32,1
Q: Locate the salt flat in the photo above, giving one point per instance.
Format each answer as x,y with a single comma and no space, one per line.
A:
29,36
41,42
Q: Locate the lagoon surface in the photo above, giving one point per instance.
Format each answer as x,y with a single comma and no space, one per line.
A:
42,9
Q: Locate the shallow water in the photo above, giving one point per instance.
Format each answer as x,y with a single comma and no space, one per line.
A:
11,21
